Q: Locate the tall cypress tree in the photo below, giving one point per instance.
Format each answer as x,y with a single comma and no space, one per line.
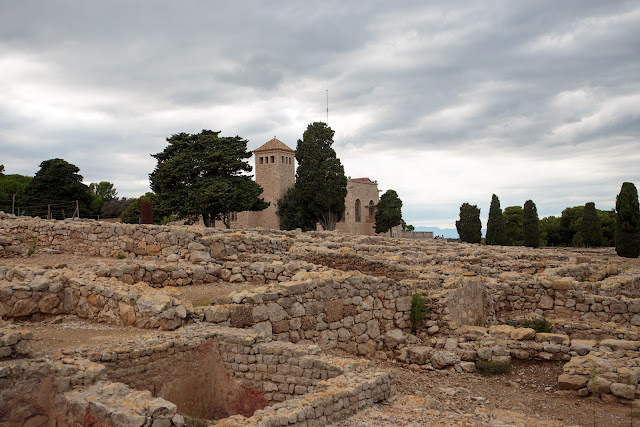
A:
469,226
628,222
320,180
531,225
496,230
590,227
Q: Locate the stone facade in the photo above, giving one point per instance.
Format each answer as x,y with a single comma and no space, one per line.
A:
361,201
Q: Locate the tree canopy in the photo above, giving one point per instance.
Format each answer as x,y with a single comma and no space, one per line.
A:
291,214
514,223
388,212
531,228
58,184
203,174
469,226
104,189
321,185
496,229
628,222
590,227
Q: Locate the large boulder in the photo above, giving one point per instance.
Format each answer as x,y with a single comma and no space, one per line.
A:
443,358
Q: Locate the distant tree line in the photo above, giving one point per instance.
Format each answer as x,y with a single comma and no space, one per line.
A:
580,226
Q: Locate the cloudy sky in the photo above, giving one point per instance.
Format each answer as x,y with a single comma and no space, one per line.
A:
443,103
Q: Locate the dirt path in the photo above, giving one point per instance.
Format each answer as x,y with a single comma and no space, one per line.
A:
528,396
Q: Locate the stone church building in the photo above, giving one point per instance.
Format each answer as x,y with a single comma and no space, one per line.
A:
275,171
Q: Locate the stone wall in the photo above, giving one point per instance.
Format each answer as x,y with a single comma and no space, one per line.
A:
104,300
15,344
87,237
564,298
185,273
351,311
218,372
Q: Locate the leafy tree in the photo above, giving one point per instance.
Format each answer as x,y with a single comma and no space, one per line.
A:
290,213
114,207
531,228
14,183
590,229
201,174
469,226
56,183
628,222
496,229
514,223
570,222
389,212
608,226
104,189
550,231
131,215
407,227
321,184
1,171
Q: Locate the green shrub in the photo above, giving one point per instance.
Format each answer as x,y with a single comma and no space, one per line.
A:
201,302
31,251
120,255
539,324
419,310
489,367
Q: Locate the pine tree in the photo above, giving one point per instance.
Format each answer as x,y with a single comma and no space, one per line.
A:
496,229
469,226
204,174
628,222
531,230
590,228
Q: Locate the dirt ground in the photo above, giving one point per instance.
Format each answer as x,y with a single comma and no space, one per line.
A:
528,396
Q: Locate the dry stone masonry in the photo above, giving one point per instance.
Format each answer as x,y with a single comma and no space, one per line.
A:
259,356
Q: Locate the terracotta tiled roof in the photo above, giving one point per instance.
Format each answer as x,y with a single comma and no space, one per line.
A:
361,179
274,144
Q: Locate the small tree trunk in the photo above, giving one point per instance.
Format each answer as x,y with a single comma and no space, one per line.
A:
226,219
206,219
328,221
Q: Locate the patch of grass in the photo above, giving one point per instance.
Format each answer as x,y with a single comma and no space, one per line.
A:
419,310
120,255
32,249
539,324
479,321
201,302
489,368
635,414
606,258
21,239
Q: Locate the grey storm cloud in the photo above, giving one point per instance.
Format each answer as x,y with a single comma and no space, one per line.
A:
446,103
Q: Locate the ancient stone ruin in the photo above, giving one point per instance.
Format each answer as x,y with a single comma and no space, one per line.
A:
291,340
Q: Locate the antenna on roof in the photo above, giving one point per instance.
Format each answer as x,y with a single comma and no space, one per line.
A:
327,107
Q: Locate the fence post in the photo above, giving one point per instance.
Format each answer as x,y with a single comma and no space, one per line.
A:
48,211
13,205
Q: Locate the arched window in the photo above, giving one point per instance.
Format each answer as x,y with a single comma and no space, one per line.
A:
357,210
372,211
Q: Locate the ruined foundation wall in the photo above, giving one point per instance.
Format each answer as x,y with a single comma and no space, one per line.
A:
334,309
104,300
171,244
